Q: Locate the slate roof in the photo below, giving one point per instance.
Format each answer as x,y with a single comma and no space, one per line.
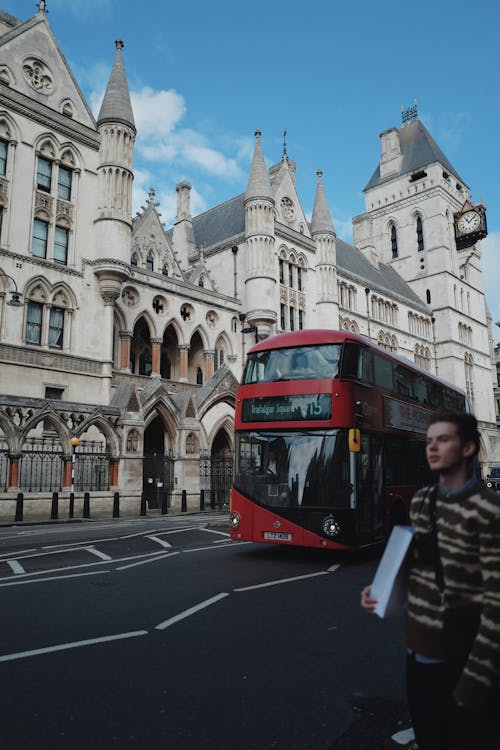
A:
383,279
220,223
419,150
116,106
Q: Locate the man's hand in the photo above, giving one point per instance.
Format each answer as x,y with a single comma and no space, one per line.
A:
367,602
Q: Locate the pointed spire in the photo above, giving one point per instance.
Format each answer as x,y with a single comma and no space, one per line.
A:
116,106
259,184
321,221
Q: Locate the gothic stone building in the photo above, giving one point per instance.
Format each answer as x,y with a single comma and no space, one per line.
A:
128,335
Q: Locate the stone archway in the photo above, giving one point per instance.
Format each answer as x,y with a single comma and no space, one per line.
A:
221,470
157,466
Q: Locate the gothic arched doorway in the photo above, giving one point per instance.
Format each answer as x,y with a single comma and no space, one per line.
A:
157,467
217,466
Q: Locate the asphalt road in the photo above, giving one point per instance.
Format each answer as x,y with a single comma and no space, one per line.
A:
164,634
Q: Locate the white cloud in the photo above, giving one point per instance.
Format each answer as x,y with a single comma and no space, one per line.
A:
156,113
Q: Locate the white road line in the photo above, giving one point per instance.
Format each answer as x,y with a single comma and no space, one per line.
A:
152,559
213,531
16,567
17,582
191,611
203,549
333,568
282,580
159,541
98,553
91,565
75,644
19,552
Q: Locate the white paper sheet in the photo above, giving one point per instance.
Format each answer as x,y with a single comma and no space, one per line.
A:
389,583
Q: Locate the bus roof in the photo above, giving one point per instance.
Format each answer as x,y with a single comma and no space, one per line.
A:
314,336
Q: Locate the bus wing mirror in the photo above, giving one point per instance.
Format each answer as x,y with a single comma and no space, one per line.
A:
354,440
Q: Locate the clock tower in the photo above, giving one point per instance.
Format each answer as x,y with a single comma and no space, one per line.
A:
420,220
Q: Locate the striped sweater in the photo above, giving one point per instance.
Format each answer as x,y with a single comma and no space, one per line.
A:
468,526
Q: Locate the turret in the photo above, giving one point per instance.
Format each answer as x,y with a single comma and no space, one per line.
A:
114,209
260,275
183,237
323,233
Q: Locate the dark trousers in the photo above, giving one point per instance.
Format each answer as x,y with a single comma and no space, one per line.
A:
438,723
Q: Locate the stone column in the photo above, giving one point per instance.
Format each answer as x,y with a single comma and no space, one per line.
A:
14,472
209,364
183,357
113,472
155,356
67,472
125,340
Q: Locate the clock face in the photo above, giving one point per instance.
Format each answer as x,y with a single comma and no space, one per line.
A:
469,222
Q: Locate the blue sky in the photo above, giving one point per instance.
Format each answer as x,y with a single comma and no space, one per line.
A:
204,76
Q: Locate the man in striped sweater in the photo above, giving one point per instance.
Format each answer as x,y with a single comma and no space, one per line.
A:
454,702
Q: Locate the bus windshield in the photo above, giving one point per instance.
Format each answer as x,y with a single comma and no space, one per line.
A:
294,363
295,469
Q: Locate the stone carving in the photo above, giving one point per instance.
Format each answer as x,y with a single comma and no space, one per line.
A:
130,297
287,209
212,319
132,441
38,75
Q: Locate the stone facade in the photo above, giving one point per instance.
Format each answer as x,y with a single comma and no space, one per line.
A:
130,334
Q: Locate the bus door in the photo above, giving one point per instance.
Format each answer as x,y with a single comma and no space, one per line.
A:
369,484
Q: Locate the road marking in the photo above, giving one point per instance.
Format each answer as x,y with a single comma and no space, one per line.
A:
203,549
16,567
98,553
19,552
191,611
282,580
152,559
162,542
333,568
213,531
90,565
17,582
75,644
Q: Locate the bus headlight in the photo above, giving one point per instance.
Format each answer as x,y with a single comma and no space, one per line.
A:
234,520
331,527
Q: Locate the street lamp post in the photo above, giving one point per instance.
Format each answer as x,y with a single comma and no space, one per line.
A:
15,297
74,443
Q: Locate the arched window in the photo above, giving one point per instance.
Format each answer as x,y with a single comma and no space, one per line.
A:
149,262
394,242
428,296
420,235
199,376
133,260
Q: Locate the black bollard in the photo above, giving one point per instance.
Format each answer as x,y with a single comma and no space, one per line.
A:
54,511
116,505
71,504
184,501
164,505
143,505
86,505
202,499
19,506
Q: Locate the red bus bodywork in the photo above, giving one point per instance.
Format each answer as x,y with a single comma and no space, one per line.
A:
368,489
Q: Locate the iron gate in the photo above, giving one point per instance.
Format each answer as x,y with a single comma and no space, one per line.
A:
216,477
41,465
91,466
158,478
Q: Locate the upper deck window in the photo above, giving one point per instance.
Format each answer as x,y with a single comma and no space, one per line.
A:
295,363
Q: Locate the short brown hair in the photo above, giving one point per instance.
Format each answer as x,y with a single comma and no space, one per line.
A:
466,425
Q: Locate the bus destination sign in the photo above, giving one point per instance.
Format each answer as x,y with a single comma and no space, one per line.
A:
405,416
300,408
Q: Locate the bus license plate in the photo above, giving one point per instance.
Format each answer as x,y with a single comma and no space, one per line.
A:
281,536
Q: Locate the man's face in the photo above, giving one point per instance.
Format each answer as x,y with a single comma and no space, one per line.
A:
445,452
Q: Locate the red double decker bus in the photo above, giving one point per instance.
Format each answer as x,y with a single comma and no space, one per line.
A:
329,440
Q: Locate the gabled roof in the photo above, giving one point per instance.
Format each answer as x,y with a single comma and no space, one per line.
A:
418,150
383,279
220,223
